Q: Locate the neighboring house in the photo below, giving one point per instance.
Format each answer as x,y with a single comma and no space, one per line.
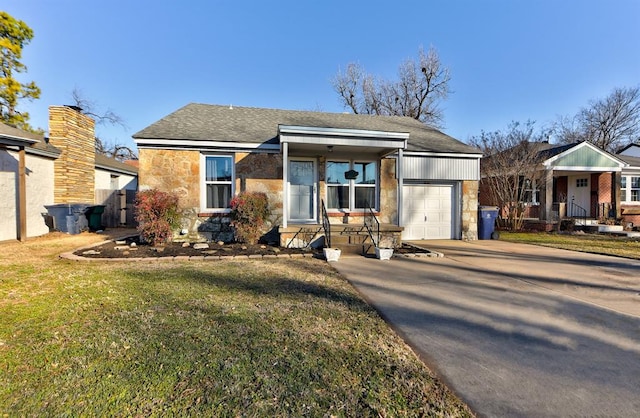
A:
26,182
630,184
62,169
415,179
111,174
578,181
631,150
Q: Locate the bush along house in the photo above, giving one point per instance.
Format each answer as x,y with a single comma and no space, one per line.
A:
354,180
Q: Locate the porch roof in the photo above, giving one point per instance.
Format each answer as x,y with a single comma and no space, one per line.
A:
582,157
305,139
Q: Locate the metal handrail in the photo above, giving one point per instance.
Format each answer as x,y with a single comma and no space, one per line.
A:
581,212
326,226
372,224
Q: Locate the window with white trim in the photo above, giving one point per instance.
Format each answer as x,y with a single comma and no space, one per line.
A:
217,182
355,193
630,189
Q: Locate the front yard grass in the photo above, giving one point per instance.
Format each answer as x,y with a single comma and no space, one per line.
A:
591,243
224,338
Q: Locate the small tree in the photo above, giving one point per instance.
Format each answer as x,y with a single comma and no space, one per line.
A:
608,123
511,162
14,36
157,214
417,93
249,213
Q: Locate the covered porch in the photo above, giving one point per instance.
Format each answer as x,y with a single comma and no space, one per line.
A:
334,179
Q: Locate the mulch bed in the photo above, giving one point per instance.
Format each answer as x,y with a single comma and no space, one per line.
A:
132,247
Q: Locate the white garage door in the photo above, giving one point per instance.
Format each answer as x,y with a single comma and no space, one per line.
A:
427,212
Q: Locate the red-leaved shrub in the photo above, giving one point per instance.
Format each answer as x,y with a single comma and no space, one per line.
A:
157,215
249,212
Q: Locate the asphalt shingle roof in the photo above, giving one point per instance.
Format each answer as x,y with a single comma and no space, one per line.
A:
42,145
197,121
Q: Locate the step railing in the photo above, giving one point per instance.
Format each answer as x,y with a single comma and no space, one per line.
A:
372,225
577,211
326,225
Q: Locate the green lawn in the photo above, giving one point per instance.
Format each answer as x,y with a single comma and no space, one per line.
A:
225,338
591,243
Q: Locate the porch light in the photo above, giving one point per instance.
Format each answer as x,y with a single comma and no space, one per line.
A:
351,174
330,148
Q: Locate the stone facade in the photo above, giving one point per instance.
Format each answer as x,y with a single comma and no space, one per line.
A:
470,210
179,172
73,133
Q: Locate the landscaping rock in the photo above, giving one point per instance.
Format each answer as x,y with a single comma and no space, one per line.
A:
201,246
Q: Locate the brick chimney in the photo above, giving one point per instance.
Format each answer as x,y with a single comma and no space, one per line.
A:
74,172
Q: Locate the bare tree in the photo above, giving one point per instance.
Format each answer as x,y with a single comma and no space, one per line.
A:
608,123
511,168
115,150
417,93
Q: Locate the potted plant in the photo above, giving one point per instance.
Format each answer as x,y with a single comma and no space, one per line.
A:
331,254
384,253
384,249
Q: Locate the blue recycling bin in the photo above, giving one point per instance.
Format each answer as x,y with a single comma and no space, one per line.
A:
487,221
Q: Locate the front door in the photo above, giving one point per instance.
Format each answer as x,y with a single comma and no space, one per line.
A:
302,191
579,193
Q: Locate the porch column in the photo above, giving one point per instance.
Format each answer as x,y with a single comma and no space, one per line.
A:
400,184
22,195
616,183
547,196
285,189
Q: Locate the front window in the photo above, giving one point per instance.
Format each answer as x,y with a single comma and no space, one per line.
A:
357,193
630,189
218,182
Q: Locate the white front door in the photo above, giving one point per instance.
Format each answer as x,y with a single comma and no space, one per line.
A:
579,192
302,190
427,212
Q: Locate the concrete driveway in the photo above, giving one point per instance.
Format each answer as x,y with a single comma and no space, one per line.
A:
516,330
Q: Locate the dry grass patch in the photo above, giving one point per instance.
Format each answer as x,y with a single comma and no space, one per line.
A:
590,243
225,338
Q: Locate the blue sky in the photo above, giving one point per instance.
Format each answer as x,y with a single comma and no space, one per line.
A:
509,59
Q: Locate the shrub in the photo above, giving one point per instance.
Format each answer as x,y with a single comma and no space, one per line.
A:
249,212
157,215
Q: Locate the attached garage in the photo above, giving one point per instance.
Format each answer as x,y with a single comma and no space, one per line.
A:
434,197
429,211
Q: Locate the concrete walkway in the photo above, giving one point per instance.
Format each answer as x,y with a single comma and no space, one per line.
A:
516,330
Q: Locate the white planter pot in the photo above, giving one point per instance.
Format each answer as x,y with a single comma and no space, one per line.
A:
331,254
384,253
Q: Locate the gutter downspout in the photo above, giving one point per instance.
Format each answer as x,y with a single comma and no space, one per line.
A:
22,195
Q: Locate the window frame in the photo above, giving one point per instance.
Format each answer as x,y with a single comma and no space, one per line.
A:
353,186
627,189
204,182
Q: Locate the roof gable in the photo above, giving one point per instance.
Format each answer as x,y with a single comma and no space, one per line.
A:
584,156
199,123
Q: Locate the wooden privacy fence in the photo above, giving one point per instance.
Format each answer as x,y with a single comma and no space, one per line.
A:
118,211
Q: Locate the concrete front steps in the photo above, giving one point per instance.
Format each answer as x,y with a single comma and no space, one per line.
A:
612,230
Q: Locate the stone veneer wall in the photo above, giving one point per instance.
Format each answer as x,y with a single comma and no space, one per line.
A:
470,210
73,133
179,172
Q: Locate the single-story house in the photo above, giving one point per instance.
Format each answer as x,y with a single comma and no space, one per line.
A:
579,181
64,168
417,181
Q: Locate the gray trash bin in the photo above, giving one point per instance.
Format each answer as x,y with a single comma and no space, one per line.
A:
68,217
